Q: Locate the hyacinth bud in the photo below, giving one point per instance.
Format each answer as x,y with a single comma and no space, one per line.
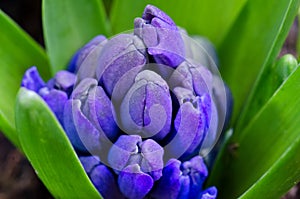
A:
147,107
88,117
183,180
148,103
55,92
101,176
161,36
136,162
124,48
84,52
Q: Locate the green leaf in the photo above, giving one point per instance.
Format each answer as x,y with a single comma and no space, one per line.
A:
270,80
68,25
48,149
17,52
267,152
254,42
210,18
284,173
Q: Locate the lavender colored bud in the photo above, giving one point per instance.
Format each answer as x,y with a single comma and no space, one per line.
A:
82,133
89,120
183,180
194,77
147,107
55,92
84,52
191,124
123,48
63,80
209,193
56,100
101,176
161,36
133,183
32,80
130,150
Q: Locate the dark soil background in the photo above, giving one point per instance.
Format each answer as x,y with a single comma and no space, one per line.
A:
17,178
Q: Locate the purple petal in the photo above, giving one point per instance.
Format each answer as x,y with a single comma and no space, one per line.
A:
151,11
147,107
119,55
56,100
89,162
133,183
189,125
211,136
194,77
102,178
64,81
210,193
196,170
99,110
122,150
81,132
32,80
184,187
152,161
84,52
130,150
168,186
161,36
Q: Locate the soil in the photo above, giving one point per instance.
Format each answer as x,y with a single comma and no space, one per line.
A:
17,177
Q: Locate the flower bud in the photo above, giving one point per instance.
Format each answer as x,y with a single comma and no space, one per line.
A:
147,107
84,52
183,180
88,117
161,36
101,176
124,48
55,92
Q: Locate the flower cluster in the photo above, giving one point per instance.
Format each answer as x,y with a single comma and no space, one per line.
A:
139,108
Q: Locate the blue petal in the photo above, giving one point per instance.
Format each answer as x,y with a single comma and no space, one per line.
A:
133,183
81,132
102,178
147,107
56,100
83,53
121,54
168,186
122,150
189,124
32,80
161,36
210,193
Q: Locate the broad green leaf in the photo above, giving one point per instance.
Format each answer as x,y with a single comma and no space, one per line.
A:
270,80
284,173
254,42
209,18
48,149
258,159
68,25
17,52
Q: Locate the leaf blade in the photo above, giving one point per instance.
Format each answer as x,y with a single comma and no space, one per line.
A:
68,25
254,42
263,146
17,53
49,150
